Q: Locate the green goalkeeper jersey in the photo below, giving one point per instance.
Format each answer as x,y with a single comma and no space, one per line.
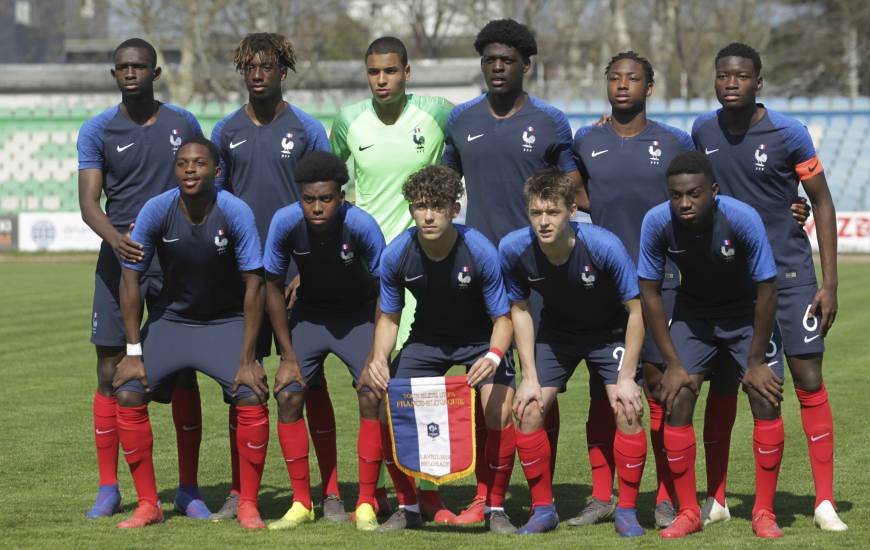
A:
384,156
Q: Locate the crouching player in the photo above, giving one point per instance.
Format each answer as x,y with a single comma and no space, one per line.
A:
208,314
727,301
337,250
461,319
591,312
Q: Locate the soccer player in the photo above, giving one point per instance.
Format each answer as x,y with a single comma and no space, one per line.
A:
390,136
497,141
592,312
207,317
127,153
261,144
462,317
726,301
760,156
337,248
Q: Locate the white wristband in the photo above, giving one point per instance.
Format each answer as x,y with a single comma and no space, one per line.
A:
492,356
134,349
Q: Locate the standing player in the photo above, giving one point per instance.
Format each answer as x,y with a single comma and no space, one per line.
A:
592,312
497,141
337,248
760,156
461,318
391,136
127,153
721,250
260,145
208,314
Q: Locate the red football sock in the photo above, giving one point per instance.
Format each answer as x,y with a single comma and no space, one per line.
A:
371,454
481,469
321,424
406,491
819,428
294,446
769,438
680,449
187,415
252,435
233,422
629,452
534,451
551,426
134,430
106,438
600,431
657,439
500,450
718,422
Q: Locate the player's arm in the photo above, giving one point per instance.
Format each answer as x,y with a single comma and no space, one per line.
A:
250,372
529,391
759,376
131,366
627,395
499,340
675,377
377,372
826,232
288,370
90,190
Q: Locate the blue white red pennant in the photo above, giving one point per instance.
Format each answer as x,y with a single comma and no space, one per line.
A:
432,426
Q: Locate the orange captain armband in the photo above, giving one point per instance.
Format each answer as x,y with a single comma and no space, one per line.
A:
809,168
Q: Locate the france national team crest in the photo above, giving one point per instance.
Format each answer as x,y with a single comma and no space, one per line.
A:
588,276
432,426
175,139
727,250
346,254
419,139
221,241
655,153
287,145
528,139
760,157
464,277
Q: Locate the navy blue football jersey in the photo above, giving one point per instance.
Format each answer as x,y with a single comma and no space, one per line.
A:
456,297
138,162
337,271
258,162
763,168
202,263
497,156
586,294
720,264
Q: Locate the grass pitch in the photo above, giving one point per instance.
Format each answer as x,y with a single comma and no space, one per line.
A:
48,470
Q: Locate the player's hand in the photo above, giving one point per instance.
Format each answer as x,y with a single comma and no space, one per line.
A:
626,396
825,302
528,394
129,250
253,375
800,211
376,376
288,373
131,367
674,379
482,369
605,118
290,292
762,379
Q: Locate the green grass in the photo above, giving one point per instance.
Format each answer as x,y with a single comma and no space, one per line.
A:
48,467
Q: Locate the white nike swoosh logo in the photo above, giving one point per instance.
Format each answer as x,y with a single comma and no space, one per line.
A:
808,340
536,279
190,428
104,432
535,461
409,279
171,240
234,145
252,446
675,459
772,363
814,438
770,452
494,467
324,431
596,153
301,253
710,151
633,466
124,148
129,452
233,427
472,138
672,251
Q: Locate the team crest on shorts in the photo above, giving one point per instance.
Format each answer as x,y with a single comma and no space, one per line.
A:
588,276
346,254
464,277
419,139
287,145
655,153
175,139
221,241
727,250
528,139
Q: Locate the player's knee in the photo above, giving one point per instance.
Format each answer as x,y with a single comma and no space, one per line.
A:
532,419
628,423
806,372
369,404
290,405
130,398
247,401
762,409
683,408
